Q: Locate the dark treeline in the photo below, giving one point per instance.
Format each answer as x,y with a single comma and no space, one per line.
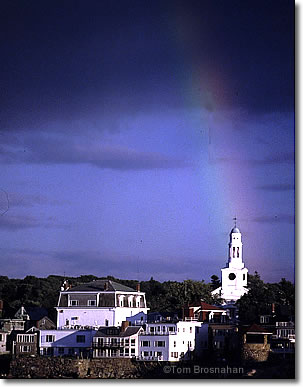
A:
165,296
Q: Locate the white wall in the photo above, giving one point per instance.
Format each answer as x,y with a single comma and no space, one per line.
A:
86,316
95,316
180,342
233,289
66,338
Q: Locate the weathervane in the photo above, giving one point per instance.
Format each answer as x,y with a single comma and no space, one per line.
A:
235,219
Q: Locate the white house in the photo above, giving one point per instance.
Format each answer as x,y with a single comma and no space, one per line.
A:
234,275
99,303
120,342
72,342
166,341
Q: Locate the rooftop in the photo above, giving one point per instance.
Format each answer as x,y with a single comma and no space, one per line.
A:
116,332
100,285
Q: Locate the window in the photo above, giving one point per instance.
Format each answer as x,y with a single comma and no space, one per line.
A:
146,353
175,344
91,302
74,303
234,252
133,351
171,329
243,277
133,342
152,329
67,321
106,323
61,351
126,351
238,252
163,328
80,339
74,318
158,354
25,338
145,343
127,342
25,348
190,329
49,338
71,351
160,343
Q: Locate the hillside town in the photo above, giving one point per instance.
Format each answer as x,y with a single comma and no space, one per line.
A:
103,319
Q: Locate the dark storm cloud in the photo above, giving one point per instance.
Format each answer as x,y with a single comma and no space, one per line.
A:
278,158
103,264
15,199
20,222
276,187
38,149
99,263
63,59
272,219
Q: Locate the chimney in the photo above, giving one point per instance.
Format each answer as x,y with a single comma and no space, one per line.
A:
105,285
273,308
124,325
138,287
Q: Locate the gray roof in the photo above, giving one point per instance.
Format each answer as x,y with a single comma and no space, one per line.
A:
100,285
116,332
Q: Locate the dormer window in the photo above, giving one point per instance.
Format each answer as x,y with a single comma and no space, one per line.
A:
74,303
91,302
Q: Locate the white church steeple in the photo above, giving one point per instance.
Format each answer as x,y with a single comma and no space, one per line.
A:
235,249
234,275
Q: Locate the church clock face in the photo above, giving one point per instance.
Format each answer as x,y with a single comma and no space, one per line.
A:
232,276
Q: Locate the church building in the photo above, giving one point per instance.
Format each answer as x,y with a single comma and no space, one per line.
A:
234,275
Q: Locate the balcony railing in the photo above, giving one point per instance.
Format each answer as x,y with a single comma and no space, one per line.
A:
157,333
108,345
149,358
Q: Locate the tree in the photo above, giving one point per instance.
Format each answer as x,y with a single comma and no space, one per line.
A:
261,296
215,282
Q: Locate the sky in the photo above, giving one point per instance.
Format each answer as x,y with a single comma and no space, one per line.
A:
133,132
